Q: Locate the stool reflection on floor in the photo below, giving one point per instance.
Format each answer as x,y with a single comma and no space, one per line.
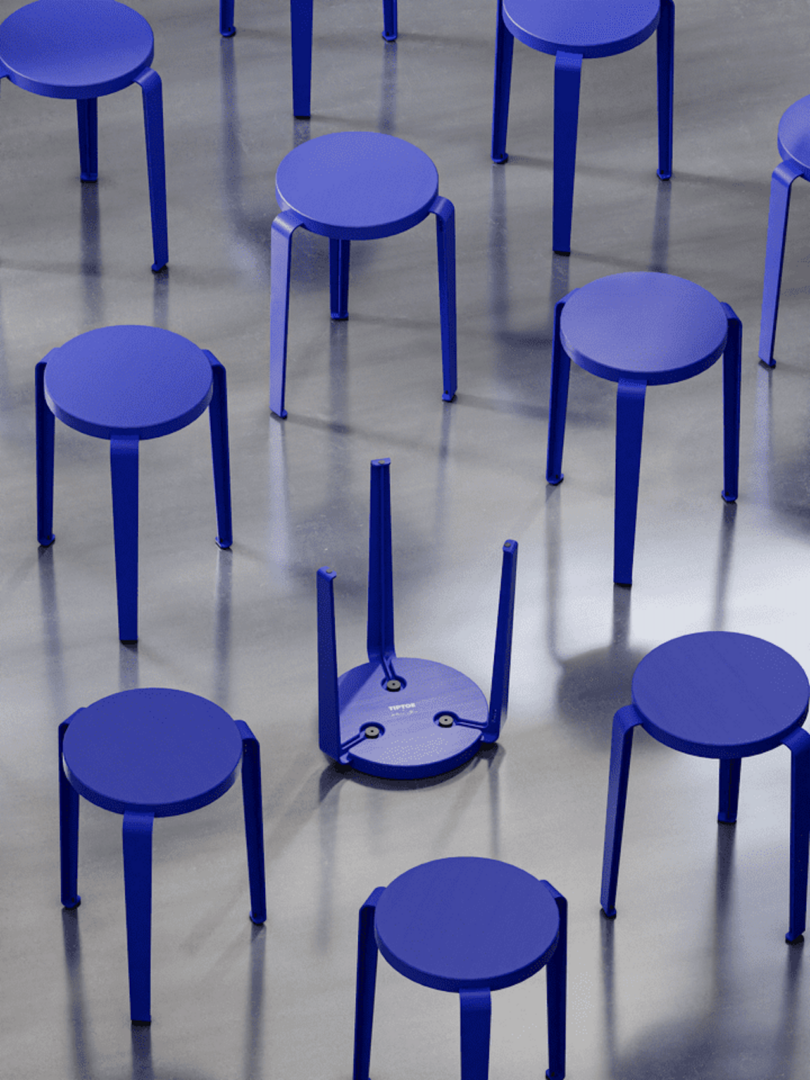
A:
301,43
356,185
640,330
717,695
151,753
467,926
126,384
83,50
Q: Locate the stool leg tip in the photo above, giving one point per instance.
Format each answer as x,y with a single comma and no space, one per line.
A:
609,913
794,939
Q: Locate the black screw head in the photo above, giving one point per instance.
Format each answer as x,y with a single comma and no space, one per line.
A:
445,720
371,732
393,685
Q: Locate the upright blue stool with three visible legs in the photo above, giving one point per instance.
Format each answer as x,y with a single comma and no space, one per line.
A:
125,384
466,926
571,32
356,185
83,50
717,695
793,140
396,716
301,35
641,330
151,753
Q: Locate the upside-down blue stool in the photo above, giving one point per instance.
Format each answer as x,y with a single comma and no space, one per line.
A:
83,50
356,185
793,140
395,716
717,695
467,926
640,330
571,32
127,384
151,753
301,43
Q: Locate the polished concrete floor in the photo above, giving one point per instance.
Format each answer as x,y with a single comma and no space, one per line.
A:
693,979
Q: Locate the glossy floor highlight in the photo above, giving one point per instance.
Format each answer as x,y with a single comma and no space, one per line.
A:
693,979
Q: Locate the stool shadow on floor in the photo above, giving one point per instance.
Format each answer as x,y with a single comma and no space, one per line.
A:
731,1031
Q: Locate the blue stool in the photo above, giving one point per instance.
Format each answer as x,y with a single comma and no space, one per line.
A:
570,32
793,140
125,384
641,330
717,695
467,926
83,50
400,717
356,185
146,754
301,41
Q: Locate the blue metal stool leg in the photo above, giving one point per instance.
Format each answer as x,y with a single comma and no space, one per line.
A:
220,454
366,982
567,72
504,48
45,440
621,747
499,693
732,378
556,978
629,428
68,831
87,112
137,833
476,1019
558,404
390,20
665,42
226,26
783,176
301,33
150,83
798,742
281,234
380,629
446,246
328,704
729,790
339,255
124,471
254,821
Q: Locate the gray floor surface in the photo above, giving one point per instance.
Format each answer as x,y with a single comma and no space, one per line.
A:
693,979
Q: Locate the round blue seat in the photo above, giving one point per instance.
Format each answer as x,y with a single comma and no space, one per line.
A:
793,141
127,384
84,50
356,185
641,329
150,753
571,32
717,695
467,926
